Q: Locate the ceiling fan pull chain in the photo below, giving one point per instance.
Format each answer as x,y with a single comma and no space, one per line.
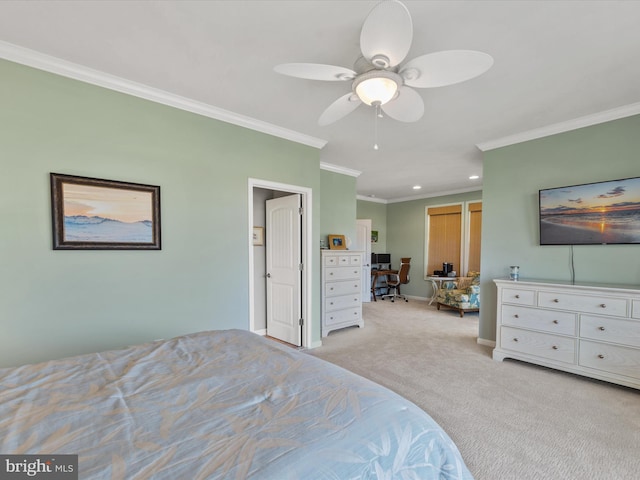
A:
378,114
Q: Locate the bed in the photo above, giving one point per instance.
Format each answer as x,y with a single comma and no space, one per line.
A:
220,404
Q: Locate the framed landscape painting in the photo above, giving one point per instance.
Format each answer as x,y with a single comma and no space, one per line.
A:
95,214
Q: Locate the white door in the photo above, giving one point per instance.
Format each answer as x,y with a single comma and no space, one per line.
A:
363,243
284,276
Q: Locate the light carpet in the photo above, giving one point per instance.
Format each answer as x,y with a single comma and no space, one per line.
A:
511,420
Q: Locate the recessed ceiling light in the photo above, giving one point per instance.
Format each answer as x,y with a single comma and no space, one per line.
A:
417,187
474,177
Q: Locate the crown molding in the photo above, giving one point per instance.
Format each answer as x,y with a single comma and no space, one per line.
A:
338,169
580,122
371,199
48,63
476,188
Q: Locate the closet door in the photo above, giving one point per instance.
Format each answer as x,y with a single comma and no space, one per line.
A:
284,274
363,244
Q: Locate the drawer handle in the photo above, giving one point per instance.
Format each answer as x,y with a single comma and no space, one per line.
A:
517,316
331,289
355,313
601,356
330,273
601,329
517,296
515,339
603,305
555,347
330,303
556,322
355,299
555,300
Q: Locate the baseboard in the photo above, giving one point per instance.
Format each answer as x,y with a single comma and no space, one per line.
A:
414,297
486,343
316,344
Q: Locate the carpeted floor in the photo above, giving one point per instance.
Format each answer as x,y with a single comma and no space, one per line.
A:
511,420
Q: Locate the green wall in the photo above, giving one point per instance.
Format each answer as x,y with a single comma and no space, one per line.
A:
59,303
512,177
337,206
377,213
406,236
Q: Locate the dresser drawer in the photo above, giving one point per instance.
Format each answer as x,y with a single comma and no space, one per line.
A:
341,316
344,301
342,288
330,260
521,297
355,260
610,358
583,303
552,347
614,330
342,273
563,323
635,309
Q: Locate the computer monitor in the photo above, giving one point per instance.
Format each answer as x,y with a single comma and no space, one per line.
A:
383,258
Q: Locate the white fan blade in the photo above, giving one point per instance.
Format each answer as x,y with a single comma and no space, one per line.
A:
339,109
408,106
387,32
315,71
445,68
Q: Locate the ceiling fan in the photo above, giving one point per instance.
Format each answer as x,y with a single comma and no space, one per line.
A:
378,78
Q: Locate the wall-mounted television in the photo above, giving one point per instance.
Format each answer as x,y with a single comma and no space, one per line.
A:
591,214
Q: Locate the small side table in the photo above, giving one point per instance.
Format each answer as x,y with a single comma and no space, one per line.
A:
436,284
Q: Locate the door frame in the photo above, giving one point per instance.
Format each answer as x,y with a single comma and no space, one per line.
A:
306,195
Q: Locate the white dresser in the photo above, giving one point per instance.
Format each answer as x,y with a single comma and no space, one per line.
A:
591,330
341,290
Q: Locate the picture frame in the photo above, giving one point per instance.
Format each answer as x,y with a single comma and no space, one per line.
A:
97,214
258,236
337,242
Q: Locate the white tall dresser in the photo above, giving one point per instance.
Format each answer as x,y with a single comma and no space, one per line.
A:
590,330
341,290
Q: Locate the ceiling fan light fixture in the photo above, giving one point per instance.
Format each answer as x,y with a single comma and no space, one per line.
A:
377,86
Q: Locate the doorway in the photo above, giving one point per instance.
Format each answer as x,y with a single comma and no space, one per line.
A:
259,191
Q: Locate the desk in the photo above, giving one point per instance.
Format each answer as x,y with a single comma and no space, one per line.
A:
436,283
374,279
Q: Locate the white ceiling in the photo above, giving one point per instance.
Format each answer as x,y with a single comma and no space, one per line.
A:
555,61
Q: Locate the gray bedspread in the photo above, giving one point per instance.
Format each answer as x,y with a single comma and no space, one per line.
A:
220,404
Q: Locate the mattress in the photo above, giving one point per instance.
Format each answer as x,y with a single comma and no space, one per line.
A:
220,404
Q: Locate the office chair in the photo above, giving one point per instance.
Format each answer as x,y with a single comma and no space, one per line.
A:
394,280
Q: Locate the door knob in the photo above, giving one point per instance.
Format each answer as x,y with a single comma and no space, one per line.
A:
268,275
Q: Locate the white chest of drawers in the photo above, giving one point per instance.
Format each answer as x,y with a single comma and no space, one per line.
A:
589,330
341,290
